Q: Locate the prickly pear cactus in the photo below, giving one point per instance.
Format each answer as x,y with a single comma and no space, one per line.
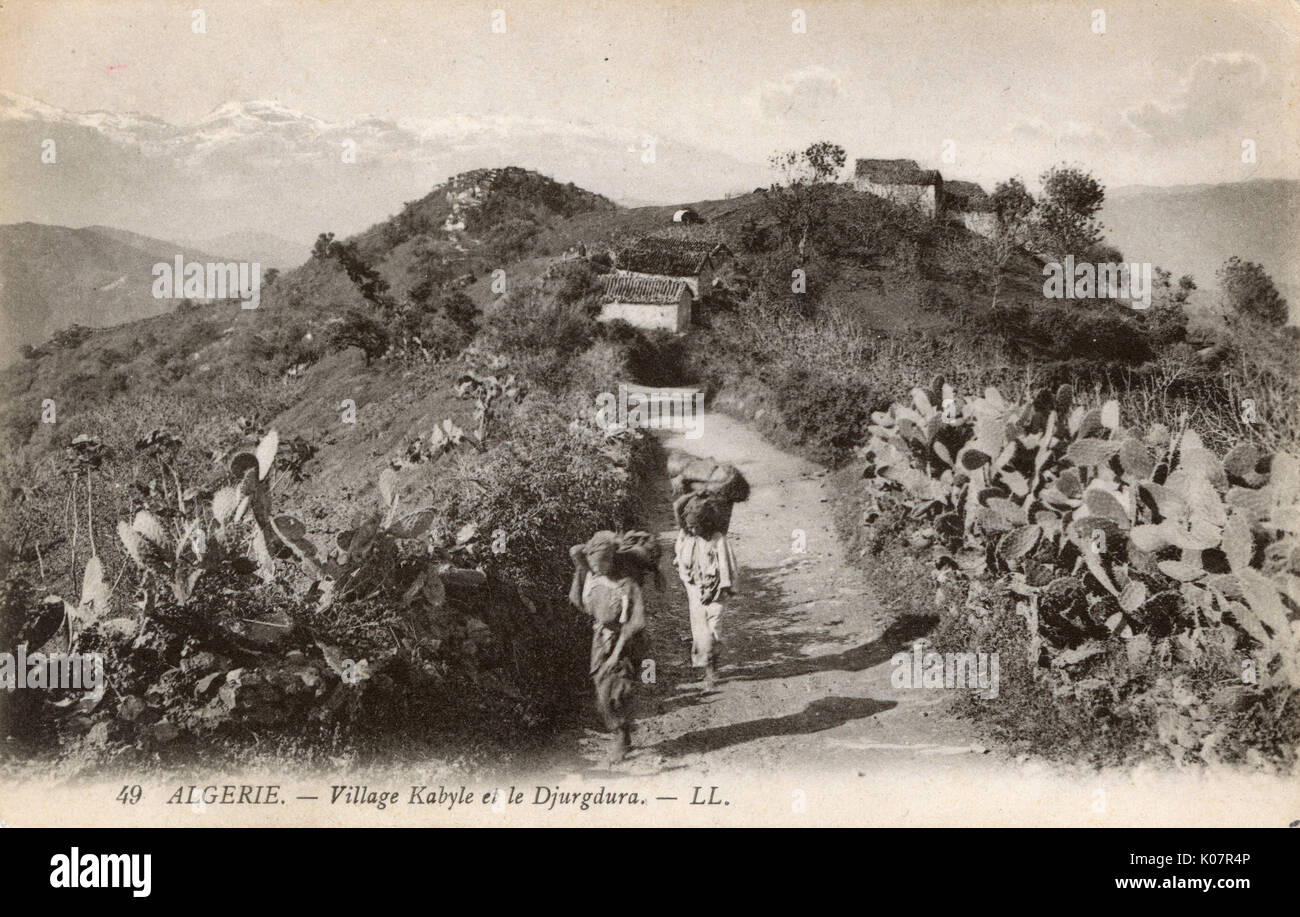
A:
1141,519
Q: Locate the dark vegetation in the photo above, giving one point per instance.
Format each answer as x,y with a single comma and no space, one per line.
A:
325,527
1166,650
468,356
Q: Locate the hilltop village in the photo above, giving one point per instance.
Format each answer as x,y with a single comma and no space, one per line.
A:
657,281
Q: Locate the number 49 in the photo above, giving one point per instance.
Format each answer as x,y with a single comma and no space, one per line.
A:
130,795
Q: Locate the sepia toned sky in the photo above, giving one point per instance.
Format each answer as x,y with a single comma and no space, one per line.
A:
1164,95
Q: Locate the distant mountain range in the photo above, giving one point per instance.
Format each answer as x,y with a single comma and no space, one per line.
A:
259,166
256,181
52,277
1193,229
262,247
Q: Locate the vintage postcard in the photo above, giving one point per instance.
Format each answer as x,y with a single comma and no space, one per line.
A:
724,412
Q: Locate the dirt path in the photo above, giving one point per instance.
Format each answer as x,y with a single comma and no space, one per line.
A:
804,683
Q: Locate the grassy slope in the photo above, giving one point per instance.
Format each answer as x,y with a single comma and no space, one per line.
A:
196,371
55,276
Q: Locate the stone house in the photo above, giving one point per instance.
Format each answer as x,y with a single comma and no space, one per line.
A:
646,302
901,181
966,203
697,262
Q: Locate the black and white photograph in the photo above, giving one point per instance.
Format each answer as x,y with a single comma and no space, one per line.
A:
650,413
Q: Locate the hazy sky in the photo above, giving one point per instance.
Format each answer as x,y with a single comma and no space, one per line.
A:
1165,95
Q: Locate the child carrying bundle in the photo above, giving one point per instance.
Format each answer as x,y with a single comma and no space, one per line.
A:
608,572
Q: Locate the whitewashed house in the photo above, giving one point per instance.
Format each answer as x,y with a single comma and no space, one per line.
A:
901,181
646,302
966,203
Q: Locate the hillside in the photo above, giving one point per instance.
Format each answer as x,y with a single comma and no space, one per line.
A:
213,379
52,277
199,370
216,362
454,238
359,359
1194,229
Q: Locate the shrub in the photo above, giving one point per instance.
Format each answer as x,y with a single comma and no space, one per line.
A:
1248,291
72,337
542,334
824,413
391,631
460,310
441,336
359,329
1102,334
1119,549
572,281
656,357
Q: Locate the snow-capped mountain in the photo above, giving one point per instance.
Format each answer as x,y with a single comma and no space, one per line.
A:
260,166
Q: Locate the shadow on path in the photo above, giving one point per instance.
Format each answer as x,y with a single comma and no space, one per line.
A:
822,714
769,636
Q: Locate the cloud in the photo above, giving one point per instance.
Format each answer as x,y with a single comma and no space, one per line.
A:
1217,94
1038,132
1191,131
801,95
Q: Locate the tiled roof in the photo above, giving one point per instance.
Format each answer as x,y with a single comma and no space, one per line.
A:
968,196
894,172
674,257
650,291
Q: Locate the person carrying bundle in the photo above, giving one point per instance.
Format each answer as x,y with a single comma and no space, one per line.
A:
707,568
608,573
690,475
705,492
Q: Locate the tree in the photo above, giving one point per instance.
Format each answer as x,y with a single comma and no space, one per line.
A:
1001,248
1066,211
1166,320
1014,206
321,250
819,163
429,272
824,161
1249,291
360,330
366,279
800,200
